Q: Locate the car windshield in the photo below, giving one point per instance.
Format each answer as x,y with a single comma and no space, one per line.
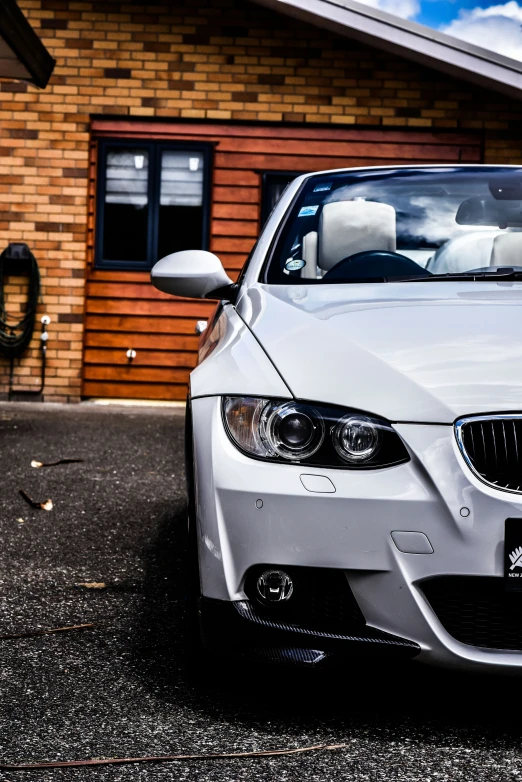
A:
395,225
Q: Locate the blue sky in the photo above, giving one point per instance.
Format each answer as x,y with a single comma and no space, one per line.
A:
494,25
434,13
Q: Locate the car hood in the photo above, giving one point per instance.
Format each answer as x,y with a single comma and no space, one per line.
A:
427,352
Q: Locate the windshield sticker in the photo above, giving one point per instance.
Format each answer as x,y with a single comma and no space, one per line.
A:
294,264
308,211
322,187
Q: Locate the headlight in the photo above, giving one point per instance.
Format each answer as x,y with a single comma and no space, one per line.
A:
304,433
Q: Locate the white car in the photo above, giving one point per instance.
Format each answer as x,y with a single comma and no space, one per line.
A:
354,424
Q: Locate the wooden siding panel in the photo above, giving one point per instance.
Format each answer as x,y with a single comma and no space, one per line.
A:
144,358
122,128
236,178
236,212
148,307
236,195
169,342
235,228
226,244
337,149
104,274
130,324
129,390
303,164
124,311
121,374
232,260
136,290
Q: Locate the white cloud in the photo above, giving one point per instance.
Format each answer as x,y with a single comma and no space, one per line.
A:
407,9
498,28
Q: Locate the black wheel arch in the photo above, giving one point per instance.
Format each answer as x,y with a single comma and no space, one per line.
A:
189,463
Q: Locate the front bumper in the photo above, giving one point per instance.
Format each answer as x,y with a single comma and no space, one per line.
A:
250,513
239,628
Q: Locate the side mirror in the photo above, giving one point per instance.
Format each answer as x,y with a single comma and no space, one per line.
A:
196,274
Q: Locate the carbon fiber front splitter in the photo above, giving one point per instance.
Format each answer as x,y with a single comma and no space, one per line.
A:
240,629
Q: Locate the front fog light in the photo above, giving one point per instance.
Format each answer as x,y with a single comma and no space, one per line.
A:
274,586
356,438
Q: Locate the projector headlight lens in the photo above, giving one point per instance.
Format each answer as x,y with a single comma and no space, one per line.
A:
292,431
356,439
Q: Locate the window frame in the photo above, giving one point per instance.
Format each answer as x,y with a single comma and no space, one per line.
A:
155,148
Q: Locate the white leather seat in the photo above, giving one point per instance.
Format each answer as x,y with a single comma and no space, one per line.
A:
309,272
477,250
346,228
473,250
507,250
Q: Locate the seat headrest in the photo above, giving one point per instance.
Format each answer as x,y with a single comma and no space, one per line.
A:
473,250
349,227
507,250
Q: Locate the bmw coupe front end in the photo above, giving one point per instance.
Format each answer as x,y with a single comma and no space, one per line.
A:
354,424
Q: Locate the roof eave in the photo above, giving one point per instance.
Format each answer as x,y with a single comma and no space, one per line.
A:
26,57
408,39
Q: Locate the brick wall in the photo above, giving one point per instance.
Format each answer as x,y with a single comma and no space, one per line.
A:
208,60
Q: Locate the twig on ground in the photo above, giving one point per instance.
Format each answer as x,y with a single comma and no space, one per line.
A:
45,505
38,464
92,585
33,633
165,758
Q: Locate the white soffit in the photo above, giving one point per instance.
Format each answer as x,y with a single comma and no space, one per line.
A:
409,40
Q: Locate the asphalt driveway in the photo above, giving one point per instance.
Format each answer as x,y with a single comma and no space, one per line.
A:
119,688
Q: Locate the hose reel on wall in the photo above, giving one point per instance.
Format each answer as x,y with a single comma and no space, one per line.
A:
16,331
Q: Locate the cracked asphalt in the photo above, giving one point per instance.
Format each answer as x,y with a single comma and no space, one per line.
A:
119,689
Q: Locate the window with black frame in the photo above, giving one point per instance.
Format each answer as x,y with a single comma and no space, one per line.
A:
153,199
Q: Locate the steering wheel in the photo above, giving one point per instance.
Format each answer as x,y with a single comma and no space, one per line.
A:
374,263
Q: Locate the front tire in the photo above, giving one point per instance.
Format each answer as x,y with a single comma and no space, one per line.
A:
194,650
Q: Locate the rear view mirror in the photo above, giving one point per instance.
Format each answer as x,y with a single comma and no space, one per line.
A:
196,274
485,210
507,187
